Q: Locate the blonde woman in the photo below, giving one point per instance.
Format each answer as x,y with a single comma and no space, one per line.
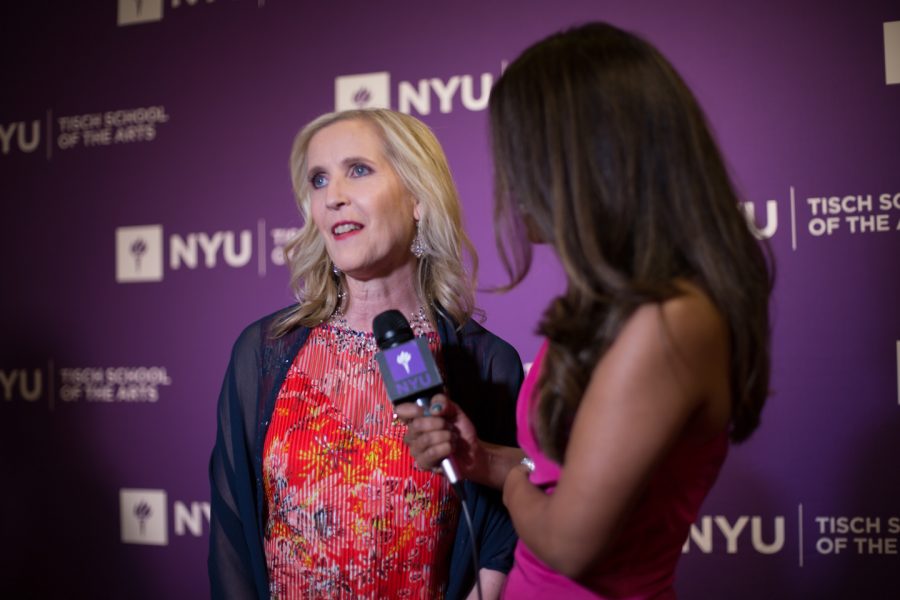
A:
314,493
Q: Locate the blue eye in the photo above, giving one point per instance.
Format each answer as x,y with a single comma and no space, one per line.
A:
358,170
318,180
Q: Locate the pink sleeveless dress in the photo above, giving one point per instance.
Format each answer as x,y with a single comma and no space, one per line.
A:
642,562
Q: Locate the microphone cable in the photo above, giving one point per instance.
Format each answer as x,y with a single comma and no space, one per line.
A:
458,488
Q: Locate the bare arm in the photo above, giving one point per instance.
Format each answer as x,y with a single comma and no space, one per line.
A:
491,584
666,374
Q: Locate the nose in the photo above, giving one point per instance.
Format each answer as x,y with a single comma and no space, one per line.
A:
335,196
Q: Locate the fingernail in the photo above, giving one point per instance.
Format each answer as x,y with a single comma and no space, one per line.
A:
436,408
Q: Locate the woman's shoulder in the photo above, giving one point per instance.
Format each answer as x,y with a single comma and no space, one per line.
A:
688,323
262,331
482,340
680,344
694,319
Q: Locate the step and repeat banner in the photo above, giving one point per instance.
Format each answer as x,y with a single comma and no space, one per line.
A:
143,170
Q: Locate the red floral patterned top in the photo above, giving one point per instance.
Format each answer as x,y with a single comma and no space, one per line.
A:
348,513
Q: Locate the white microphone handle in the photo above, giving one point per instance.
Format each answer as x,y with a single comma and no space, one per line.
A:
450,470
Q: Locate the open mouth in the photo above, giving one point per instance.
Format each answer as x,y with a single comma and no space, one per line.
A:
345,228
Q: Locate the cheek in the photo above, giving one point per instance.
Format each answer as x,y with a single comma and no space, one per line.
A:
404,233
390,237
403,219
317,216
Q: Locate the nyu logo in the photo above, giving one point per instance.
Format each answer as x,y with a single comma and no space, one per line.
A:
369,90
416,383
892,52
373,90
25,138
132,12
184,251
405,370
405,361
139,251
29,389
144,517
768,230
702,534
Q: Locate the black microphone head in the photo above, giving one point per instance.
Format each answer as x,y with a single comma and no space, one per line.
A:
391,328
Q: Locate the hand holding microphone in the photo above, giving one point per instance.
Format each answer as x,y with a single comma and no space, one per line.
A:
408,369
442,431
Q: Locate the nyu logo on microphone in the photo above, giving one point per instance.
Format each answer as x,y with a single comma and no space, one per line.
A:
405,360
406,371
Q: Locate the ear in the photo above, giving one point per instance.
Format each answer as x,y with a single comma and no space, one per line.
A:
417,214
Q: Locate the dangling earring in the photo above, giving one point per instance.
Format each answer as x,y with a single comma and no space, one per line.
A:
419,248
341,295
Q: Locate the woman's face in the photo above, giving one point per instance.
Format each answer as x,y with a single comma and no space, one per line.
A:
358,203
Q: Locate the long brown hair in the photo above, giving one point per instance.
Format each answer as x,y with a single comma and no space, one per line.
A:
601,150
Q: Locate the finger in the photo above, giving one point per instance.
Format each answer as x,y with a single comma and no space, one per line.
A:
423,443
421,425
439,405
407,411
432,457
431,448
418,436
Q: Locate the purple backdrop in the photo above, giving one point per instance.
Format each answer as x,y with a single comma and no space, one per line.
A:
143,161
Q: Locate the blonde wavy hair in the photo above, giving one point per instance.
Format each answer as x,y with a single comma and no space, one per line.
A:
418,159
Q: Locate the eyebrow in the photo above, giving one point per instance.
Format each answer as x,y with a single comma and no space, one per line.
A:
350,160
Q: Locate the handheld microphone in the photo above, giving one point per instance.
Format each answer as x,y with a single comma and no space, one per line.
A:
408,368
